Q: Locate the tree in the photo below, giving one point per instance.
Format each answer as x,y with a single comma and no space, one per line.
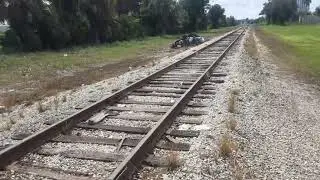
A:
216,16
3,10
267,11
196,10
279,11
128,6
161,16
231,21
317,11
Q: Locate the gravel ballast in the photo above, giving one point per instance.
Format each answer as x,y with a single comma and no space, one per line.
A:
277,129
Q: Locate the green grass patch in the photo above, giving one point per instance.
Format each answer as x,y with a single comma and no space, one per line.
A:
22,67
303,42
15,67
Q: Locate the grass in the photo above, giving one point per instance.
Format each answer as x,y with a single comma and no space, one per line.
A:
227,146
40,74
173,160
26,66
232,124
232,101
251,46
303,41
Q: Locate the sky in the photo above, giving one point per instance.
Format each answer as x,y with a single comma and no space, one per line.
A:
242,9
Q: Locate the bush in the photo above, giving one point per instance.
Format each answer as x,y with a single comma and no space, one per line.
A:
130,27
31,41
10,41
125,28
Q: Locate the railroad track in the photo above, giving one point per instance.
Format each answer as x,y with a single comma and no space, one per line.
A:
113,137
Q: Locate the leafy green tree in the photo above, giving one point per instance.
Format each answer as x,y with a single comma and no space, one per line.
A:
160,16
196,10
3,10
280,11
231,21
267,11
216,16
317,11
124,7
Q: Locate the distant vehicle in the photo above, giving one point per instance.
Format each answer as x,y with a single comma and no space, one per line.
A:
188,40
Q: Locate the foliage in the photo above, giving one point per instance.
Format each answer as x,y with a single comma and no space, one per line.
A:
56,24
231,21
10,41
161,16
317,11
216,16
303,46
196,11
279,11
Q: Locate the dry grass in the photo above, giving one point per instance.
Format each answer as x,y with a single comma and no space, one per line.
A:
251,46
41,107
56,103
232,124
239,172
12,121
9,101
64,98
173,160
227,146
232,100
21,115
231,103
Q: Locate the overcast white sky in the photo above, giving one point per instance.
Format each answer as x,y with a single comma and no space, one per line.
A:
248,8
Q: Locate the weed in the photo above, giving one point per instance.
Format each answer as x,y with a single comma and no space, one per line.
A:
41,107
10,101
232,124
64,98
12,121
227,146
56,103
28,103
232,100
238,174
173,160
231,103
236,92
21,115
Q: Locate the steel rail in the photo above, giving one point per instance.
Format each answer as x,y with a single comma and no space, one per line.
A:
31,143
131,163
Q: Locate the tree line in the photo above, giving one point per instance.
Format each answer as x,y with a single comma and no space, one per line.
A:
55,24
281,11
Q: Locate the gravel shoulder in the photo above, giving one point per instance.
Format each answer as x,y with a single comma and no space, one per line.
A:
279,119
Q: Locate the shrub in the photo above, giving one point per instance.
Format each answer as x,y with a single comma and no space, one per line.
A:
10,41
